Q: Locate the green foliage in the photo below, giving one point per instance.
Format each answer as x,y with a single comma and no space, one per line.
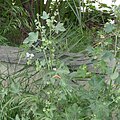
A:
85,13
48,44
17,17
59,27
3,40
109,28
33,37
53,96
13,19
49,90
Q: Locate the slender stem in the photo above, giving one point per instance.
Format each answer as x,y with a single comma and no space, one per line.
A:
116,41
46,59
110,86
48,2
51,58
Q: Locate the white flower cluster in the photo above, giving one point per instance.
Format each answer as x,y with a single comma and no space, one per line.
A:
29,56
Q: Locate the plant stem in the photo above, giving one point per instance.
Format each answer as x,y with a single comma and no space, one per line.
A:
46,59
116,41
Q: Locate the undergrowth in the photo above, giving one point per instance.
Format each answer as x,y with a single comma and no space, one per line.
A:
50,91
47,89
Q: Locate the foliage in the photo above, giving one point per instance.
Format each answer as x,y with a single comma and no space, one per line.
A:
46,89
54,96
17,17
86,14
13,19
48,42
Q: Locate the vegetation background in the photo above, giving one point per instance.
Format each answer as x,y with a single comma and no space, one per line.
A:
52,28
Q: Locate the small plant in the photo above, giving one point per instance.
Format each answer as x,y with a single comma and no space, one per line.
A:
47,40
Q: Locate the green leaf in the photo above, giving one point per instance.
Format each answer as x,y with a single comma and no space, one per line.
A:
33,37
109,27
100,110
114,75
17,117
49,23
107,56
59,27
82,71
45,16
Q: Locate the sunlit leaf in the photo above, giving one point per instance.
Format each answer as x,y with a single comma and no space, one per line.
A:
59,27
109,27
17,117
45,16
33,37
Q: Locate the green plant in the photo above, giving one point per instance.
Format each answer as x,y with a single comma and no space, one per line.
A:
45,89
53,96
37,7
86,14
73,40
3,41
13,20
48,41
77,9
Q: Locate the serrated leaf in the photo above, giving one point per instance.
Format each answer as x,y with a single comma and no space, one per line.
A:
109,27
45,16
33,37
59,27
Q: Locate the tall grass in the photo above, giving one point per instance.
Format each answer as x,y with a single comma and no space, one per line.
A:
76,6
74,40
